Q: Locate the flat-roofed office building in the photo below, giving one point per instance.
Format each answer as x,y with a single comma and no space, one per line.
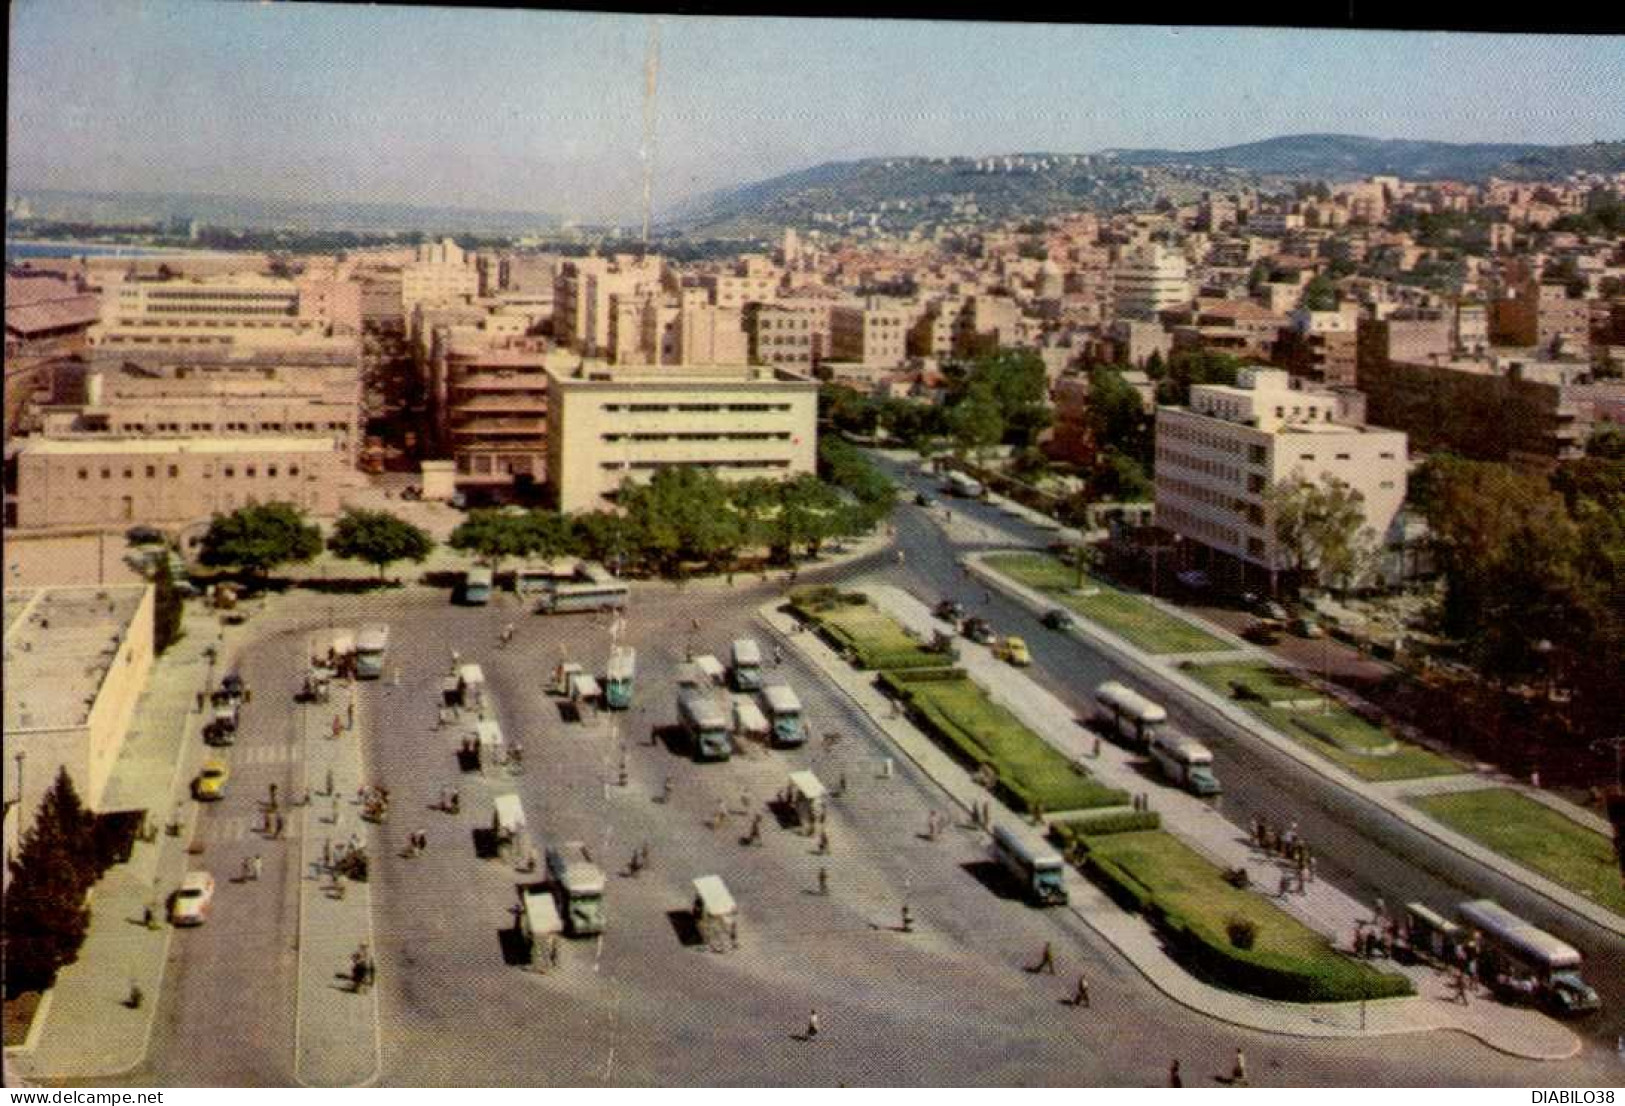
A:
608,423
1219,458
98,480
77,660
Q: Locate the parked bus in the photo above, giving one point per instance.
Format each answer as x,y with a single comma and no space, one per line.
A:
784,709
1518,958
618,676
477,586
593,588
960,484
369,651
747,665
1133,717
1032,863
1186,762
705,723
532,581
578,886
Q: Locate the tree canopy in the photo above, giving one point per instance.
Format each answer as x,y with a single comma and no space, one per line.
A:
378,538
259,537
45,913
1320,530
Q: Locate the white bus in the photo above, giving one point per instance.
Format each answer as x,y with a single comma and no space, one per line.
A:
1186,762
1521,957
1036,868
1132,716
370,645
784,708
618,676
960,484
747,664
594,588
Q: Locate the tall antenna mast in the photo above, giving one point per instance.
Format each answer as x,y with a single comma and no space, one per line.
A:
651,82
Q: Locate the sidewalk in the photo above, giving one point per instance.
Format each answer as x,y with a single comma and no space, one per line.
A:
1160,670
336,1031
84,1028
1517,1032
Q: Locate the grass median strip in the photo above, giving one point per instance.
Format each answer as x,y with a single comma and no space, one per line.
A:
1369,751
1233,935
1536,836
872,638
958,713
1124,613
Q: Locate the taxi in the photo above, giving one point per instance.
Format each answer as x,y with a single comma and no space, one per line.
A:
210,784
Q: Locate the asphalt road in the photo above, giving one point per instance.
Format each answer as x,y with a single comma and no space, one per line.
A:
948,1004
1361,850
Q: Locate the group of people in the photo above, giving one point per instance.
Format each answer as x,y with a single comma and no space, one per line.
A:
374,802
1287,846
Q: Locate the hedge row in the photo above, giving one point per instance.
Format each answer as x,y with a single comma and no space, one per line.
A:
810,605
1254,971
1075,831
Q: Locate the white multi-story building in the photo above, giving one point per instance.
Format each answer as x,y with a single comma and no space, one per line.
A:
609,423
1149,279
1218,459
441,273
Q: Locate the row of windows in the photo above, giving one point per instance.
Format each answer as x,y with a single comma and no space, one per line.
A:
617,465
216,296
686,436
229,427
1193,525
1197,493
1222,443
696,407
1169,455
174,471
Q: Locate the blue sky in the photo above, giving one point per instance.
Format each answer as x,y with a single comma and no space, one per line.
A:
544,111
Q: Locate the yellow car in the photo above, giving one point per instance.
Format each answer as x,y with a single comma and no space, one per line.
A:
211,782
1014,651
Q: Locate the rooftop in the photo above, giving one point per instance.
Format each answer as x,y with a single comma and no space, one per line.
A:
104,444
59,644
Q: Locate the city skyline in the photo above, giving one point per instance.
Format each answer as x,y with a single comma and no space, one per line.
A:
543,111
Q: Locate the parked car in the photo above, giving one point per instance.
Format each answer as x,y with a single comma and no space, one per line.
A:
949,611
979,631
190,904
923,500
1272,610
210,784
1306,628
1057,619
1262,633
1013,650
144,535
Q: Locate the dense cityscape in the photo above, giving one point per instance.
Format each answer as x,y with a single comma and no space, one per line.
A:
1116,618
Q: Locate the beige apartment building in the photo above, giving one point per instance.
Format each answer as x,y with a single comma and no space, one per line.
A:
246,309
102,481
874,334
77,660
230,392
785,336
1217,460
492,415
1149,279
442,272
1320,346
582,295
606,424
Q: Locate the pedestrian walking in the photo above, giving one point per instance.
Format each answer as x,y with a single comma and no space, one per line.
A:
1046,962
823,881
908,919
665,790
338,726
149,916
1285,886
812,1025
778,656
1175,1079
1238,1074
349,712
258,864
248,869
1080,997
200,702
733,932
823,843
273,796
553,951
1097,748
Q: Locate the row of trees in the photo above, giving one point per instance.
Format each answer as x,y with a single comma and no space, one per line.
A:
257,538
686,517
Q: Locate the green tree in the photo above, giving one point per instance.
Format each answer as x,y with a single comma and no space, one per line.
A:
1189,367
677,514
806,515
1119,478
754,501
607,536
1320,294
1607,442
1015,382
378,538
1320,529
166,608
1117,416
976,424
259,537
45,912
493,536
